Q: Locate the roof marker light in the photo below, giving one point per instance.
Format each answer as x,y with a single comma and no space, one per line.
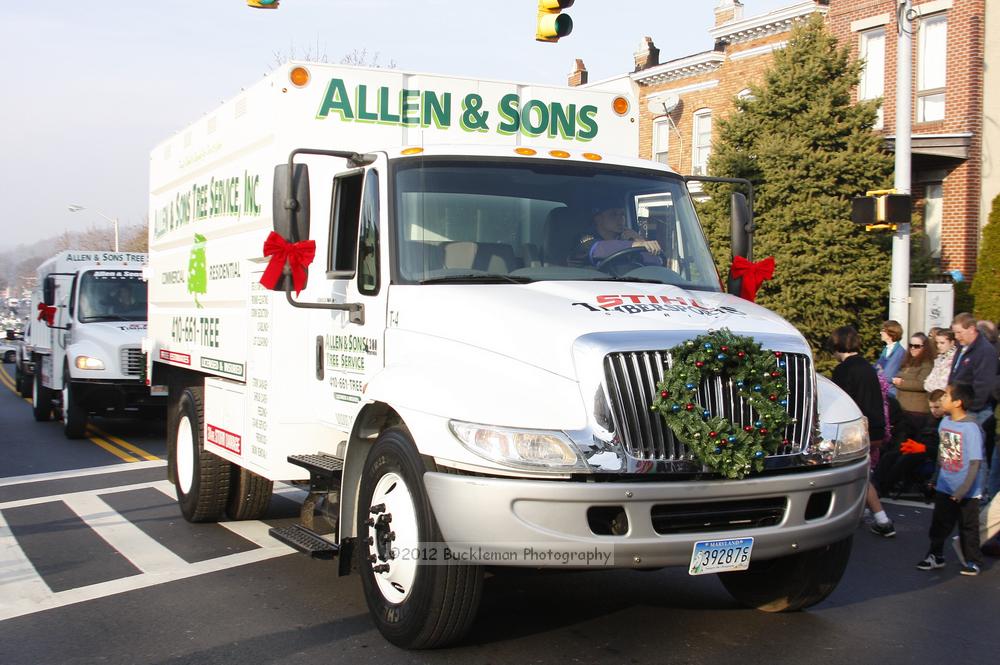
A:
592,156
411,151
528,152
299,76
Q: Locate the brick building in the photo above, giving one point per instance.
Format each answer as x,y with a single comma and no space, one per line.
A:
953,179
680,99
947,114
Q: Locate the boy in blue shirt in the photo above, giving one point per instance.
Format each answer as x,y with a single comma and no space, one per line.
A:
959,485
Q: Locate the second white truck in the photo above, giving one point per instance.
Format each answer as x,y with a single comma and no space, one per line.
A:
84,344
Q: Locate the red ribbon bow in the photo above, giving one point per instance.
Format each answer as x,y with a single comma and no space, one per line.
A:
46,313
753,273
298,255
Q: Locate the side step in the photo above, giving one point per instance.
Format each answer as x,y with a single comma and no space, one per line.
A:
305,540
324,470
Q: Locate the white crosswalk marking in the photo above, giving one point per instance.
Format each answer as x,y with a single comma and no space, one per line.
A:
23,591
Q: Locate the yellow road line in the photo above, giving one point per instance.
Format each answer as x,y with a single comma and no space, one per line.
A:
111,449
7,381
124,444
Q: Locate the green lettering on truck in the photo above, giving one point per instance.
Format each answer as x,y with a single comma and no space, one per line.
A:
510,118
336,100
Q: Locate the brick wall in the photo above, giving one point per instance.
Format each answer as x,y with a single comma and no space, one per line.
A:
963,110
961,185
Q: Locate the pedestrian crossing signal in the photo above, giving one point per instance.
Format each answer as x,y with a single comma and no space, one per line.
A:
552,24
883,209
263,4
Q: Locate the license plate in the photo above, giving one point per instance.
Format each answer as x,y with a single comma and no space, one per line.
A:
716,556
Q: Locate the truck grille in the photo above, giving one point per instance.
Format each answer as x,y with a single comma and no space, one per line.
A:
631,379
133,363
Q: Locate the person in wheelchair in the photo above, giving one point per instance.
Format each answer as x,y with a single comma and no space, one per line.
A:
610,239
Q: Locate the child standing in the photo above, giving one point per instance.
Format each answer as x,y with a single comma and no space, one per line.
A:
959,486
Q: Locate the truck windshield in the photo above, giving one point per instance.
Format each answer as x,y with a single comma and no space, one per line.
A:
516,221
112,295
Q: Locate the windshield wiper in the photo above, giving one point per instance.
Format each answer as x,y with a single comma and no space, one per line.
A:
104,317
609,278
472,278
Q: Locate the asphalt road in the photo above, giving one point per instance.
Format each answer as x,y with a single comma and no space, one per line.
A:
98,566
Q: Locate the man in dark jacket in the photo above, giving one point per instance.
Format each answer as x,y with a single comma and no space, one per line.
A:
976,364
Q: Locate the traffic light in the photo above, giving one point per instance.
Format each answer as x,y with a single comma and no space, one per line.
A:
881,209
263,4
552,24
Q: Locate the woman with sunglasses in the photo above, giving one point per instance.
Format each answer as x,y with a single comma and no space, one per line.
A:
909,380
944,343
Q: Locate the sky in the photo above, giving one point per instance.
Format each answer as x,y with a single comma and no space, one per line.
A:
90,87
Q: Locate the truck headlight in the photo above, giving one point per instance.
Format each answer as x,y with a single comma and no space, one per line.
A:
846,441
517,447
86,362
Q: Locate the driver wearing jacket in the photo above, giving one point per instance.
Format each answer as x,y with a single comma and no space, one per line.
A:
610,235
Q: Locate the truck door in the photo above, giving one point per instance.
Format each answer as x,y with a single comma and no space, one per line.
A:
349,348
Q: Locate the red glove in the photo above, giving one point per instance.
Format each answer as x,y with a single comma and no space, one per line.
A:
911,447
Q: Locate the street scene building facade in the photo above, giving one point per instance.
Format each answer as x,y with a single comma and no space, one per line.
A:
954,133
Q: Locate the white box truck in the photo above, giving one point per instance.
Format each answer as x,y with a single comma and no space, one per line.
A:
384,285
85,344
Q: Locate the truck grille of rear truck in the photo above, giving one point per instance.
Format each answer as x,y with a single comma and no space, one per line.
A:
132,361
631,379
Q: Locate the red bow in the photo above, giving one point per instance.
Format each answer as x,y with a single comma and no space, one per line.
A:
46,313
298,255
753,273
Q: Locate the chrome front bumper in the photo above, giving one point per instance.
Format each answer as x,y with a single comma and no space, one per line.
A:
501,518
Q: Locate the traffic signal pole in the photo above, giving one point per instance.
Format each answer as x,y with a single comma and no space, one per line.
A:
899,289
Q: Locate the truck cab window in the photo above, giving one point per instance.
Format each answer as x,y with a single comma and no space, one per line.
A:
344,224
112,295
368,264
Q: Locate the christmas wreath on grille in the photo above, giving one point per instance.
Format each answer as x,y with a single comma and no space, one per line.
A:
759,378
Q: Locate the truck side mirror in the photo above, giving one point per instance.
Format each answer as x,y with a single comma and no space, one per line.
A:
741,230
741,225
49,291
290,202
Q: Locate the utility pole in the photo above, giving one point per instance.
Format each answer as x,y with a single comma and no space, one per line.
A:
899,289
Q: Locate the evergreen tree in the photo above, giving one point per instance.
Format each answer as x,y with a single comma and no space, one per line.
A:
986,283
808,150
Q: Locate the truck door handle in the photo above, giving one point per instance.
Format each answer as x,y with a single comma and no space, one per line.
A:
319,357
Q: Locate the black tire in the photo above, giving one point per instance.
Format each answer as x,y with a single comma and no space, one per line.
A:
443,599
201,478
790,583
22,382
41,400
73,414
249,494
9,357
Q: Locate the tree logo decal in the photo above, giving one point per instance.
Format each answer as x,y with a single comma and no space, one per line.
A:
197,281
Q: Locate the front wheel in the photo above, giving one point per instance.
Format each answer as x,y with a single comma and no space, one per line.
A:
202,479
790,583
415,603
73,414
9,357
41,400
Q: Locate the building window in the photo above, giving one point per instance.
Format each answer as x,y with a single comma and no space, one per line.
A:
933,214
661,140
932,61
701,142
872,53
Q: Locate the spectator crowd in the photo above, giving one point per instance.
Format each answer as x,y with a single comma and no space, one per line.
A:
931,407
